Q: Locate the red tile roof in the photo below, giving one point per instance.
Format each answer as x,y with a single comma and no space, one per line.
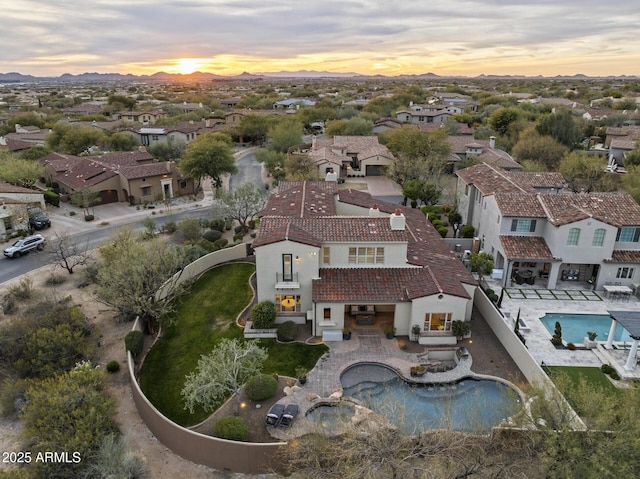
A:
526,248
616,209
625,256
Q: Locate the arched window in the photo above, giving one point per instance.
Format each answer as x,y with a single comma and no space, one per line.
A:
598,237
574,236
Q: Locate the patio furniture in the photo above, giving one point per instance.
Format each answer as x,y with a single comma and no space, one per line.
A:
290,413
363,309
274,415
569,275
617,292
525,276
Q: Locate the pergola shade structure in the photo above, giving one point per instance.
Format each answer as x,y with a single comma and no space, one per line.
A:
630,320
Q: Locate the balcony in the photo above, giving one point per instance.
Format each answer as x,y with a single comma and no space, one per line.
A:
289,281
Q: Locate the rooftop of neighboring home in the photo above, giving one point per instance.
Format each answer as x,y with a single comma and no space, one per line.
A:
490,179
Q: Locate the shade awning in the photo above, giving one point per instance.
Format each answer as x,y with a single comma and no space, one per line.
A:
630,320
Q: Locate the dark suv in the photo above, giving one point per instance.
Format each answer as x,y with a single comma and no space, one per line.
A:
38,219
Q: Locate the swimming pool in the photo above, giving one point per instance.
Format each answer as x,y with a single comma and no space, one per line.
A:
575,326
468,405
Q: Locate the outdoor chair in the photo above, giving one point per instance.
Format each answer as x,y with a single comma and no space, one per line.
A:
274,416
290,413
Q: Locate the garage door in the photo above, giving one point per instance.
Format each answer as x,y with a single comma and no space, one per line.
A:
108,196
375,170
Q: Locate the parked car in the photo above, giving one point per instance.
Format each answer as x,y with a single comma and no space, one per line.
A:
24,245
38,219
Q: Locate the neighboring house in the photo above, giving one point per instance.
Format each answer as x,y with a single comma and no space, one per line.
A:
29,134
14,201
333,257
423,116
293,103
230,102
350,156
13,145
132,176
528,223
184,132
465,147
385,124
144,117
621,140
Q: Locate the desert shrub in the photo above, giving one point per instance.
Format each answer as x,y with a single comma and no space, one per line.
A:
55,279
263,315
134,342
72,213
251,224
287,331
571,346
212,235
89,217
22,290
467,231
234,428
189,229
221,243
261,387
228,223
238,229
238,237
9,304
170,227
113,366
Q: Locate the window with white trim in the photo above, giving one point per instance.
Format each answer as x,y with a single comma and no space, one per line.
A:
574,237
625,273
523,226
366,255
438,321
598,237
628,235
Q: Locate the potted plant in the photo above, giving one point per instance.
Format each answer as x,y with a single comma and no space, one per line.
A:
592,335
346,334
460,329
301,374
390,332
415,330
418,370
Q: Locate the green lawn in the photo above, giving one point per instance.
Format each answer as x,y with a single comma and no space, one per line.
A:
205,316
575,374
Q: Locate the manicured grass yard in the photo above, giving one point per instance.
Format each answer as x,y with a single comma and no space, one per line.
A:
204,316
575,374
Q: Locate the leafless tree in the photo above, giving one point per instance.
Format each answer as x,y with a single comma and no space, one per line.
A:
69,252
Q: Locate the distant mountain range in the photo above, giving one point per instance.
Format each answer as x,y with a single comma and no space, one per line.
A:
14,77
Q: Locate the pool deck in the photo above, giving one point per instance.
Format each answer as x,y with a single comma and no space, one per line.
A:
585,301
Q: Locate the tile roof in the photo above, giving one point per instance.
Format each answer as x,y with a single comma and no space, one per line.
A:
9,188
518,204
303,199
490,179
526,247
625,256
616,209
373,285
85,172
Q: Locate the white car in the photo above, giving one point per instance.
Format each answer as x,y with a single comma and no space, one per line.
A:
24,245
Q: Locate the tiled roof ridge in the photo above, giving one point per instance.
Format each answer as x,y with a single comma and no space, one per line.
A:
544,206
433,277
505,174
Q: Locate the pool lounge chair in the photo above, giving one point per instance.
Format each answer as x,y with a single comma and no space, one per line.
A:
274,416
290,413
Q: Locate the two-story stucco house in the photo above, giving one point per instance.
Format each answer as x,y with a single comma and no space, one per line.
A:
338,258
538,233
350,156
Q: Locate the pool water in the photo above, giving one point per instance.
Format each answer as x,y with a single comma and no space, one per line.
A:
468,405
575,327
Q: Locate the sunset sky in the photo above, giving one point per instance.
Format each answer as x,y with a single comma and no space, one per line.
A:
227,37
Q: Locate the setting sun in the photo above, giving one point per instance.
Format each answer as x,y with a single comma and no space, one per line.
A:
187,65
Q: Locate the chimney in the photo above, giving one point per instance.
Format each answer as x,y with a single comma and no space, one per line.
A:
492,142
374,211
207,123
313,142
397,220
331,176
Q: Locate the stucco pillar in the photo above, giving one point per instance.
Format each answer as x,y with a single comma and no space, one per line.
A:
612,333
631,359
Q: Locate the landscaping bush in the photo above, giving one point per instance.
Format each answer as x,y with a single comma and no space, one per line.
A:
263,315
238,229
212,235
287,331
55,279
443,231
134,342
217,224
261,387
9,304
221,243
607,369
228,223
89,217
571,346
72,213
113,366
493,297
436,223
51,197
467,231
488,291
234,428
237,237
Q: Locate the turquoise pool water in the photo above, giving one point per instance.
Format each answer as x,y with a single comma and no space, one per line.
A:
467,405
575,326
